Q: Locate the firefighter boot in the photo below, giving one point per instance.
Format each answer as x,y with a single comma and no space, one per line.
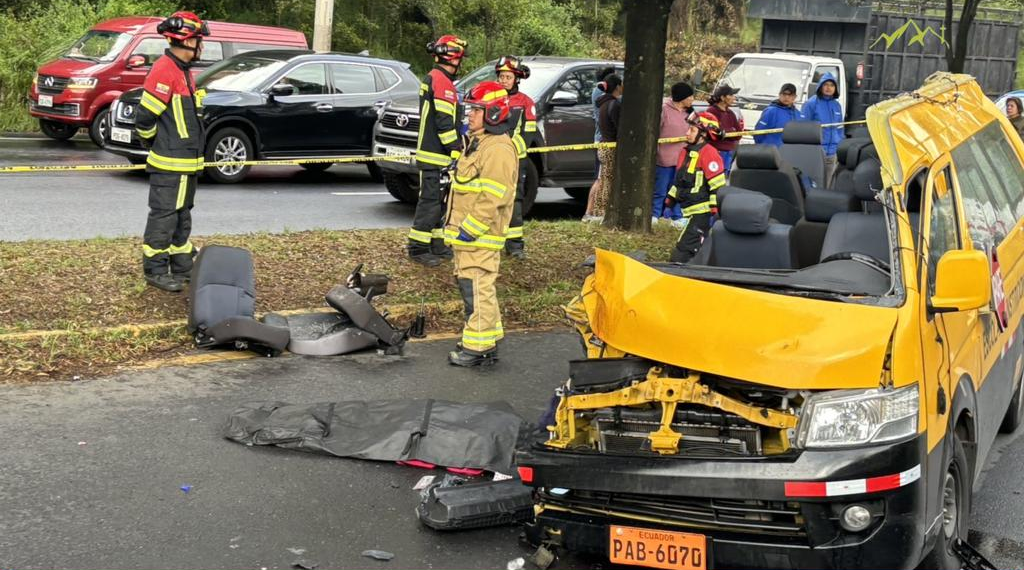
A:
165,282
516,249
466,358
439,249
420,253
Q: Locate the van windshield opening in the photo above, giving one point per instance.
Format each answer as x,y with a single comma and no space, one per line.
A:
761,78
99,46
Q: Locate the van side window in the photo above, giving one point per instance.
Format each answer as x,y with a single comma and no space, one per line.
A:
581,83
152,48
992,185
352,79
212,52
942,228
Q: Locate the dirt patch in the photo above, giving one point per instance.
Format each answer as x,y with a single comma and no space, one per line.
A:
79,286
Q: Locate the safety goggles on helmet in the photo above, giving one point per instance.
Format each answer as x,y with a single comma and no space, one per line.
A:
513,65
707,124
448,48
493,99
182,26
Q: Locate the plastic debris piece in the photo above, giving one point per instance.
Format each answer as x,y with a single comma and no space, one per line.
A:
516,564
297,551
303,564
500,476
378,555
559,491
423,483
82,443
186,488
233,546
543,558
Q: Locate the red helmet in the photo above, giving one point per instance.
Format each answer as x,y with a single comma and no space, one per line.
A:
182,26
512,64
493,98
707,124
448,48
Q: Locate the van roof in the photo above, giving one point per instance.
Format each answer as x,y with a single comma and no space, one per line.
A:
224,31
791,57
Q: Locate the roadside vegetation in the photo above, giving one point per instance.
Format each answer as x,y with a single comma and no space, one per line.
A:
81,308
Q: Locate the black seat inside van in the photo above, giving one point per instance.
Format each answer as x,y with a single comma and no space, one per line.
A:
746,237
860,232
761,168
801,147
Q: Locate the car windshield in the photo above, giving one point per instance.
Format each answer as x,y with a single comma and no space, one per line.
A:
760,78
241,73
99,46
541,75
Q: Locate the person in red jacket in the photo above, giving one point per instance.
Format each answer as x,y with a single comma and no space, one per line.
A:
437,147
699,175
168,124
722,102
510,71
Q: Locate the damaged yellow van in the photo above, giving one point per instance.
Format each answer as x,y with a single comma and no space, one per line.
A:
747,410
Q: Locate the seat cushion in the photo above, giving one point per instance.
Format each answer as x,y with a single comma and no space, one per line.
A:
772,249
759,156
856,232
223,286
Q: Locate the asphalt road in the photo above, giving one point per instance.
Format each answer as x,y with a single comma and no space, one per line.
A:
91,471
74,205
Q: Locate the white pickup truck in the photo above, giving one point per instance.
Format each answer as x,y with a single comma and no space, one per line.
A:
759,76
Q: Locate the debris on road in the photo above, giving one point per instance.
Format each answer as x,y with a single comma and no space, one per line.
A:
460,504
543,558
423,483
516,564
303,564
186,488
378,555
297,551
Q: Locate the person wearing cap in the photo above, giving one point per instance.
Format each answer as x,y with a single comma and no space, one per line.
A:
610,109
778,113
824,107
479,213
722,101
674,112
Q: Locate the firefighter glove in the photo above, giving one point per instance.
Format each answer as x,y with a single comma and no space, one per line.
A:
463,236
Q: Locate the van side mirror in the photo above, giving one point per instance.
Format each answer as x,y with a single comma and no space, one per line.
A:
564,99
282,90
963,281
136,60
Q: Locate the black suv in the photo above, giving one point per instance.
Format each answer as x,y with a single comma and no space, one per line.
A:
561,87
281,104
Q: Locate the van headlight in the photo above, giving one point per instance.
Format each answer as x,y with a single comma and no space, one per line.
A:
82,82
846,418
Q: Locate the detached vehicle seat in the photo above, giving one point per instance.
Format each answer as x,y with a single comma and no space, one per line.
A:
860,232
222,301
761,168
746,237
801,147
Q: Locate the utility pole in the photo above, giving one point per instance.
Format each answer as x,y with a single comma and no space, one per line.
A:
322,25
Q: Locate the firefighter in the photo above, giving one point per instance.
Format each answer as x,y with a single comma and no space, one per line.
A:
479,212
168,124
699,175
510,70
439,144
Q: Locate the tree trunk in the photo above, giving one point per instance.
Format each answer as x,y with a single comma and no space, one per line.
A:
629,204
678,17
956,49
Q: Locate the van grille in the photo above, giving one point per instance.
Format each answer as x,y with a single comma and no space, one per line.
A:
629,436
390,120
736,515
65,109
51,84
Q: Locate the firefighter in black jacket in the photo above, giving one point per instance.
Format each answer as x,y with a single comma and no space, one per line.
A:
437,147
699,175
168,123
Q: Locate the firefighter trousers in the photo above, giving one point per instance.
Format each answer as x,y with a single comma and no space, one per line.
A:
165,243
427,223
514,235
697,228
476,271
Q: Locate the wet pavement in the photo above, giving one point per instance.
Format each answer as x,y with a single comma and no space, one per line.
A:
74,205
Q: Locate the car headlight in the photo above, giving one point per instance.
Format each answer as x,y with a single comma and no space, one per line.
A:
35,80
845,418
82,82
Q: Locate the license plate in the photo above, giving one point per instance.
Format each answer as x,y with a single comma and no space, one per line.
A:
398,152
46,100
117,134
657,548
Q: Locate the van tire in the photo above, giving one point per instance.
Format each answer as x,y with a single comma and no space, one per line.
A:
1014,415
956,500
579,193
99,127
57,131
233,141
401,187
530,187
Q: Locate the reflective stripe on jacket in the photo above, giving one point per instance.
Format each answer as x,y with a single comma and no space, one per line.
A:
168,117
483,193
438,141
699,175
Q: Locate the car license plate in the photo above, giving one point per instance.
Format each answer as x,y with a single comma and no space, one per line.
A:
46,100
398,152
117,134
657,548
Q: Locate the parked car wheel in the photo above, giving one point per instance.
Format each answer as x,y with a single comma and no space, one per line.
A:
530,187
100,125
401,187
956,509
317,166
57,131
580,193
229,144
375,172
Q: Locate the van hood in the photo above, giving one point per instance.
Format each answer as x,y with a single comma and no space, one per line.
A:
67,67
767,338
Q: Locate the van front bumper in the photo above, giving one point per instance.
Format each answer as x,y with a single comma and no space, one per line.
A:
751,517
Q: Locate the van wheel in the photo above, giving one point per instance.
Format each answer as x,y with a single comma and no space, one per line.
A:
956,508
530,187
401,187
99,127
1012,419
228,145
57,131
580,193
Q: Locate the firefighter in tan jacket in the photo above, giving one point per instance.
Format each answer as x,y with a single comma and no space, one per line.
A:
479,211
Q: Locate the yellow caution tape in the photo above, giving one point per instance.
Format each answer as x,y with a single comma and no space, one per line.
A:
357,159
